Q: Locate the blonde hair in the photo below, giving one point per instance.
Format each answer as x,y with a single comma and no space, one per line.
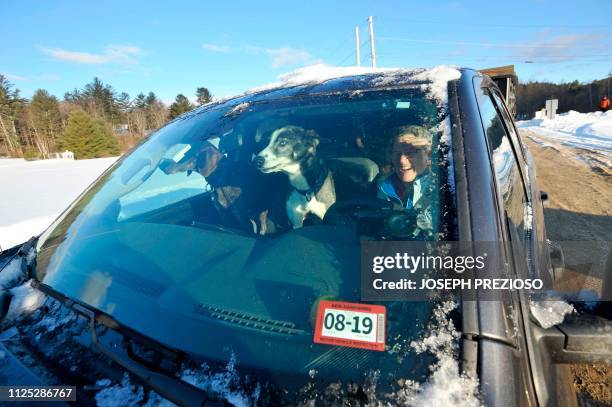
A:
417,135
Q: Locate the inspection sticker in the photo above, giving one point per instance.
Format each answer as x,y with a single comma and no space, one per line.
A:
351,324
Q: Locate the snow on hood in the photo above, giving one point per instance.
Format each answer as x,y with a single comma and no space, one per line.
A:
12,273
224,384
26,299
124,393
446,386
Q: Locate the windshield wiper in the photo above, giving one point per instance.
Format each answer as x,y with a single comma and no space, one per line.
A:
173,389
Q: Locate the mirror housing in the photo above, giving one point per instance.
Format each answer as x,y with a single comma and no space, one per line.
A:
580,339
5,302
557,259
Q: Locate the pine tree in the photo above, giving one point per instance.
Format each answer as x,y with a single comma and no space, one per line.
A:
180,105
140,101
11,108
45,121
123,102
203,96
87,137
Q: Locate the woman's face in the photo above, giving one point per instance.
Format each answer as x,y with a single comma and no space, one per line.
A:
409,157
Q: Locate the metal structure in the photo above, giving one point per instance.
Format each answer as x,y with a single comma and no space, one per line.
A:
506,80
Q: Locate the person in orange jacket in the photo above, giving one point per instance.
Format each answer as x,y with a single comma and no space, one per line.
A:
604,104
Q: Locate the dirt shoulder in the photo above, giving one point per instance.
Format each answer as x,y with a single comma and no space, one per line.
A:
579,210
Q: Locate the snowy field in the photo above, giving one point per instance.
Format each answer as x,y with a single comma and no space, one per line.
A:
34,193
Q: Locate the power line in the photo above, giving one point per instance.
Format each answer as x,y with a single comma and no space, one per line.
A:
464,24
480,44
346,58
341,45
583,56
510,59
354,51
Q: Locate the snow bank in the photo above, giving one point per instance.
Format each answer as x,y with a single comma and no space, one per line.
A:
591,131
38,191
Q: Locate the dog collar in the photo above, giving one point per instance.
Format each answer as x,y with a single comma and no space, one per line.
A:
311,192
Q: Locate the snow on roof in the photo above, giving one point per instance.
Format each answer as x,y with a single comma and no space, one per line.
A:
439,78
317,74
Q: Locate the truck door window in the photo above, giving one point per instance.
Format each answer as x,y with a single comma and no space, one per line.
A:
506,167
509,124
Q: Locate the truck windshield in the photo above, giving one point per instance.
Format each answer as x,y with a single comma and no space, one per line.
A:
222,232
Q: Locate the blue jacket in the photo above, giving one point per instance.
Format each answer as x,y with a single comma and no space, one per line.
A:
420,201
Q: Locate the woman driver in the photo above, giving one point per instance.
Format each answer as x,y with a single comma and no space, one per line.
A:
408,186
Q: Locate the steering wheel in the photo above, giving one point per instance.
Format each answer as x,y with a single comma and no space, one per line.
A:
401,224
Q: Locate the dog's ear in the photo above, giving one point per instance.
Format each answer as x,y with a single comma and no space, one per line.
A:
312,140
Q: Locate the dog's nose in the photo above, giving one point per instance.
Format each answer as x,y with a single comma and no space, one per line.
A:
259,161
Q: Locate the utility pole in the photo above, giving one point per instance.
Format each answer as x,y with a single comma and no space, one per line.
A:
357,44
372,49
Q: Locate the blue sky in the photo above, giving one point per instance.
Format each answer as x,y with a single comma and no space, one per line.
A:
174,47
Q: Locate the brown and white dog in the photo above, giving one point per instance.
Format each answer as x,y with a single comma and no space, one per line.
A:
293,150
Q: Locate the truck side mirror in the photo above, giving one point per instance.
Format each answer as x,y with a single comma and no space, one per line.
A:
5,302
581,339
